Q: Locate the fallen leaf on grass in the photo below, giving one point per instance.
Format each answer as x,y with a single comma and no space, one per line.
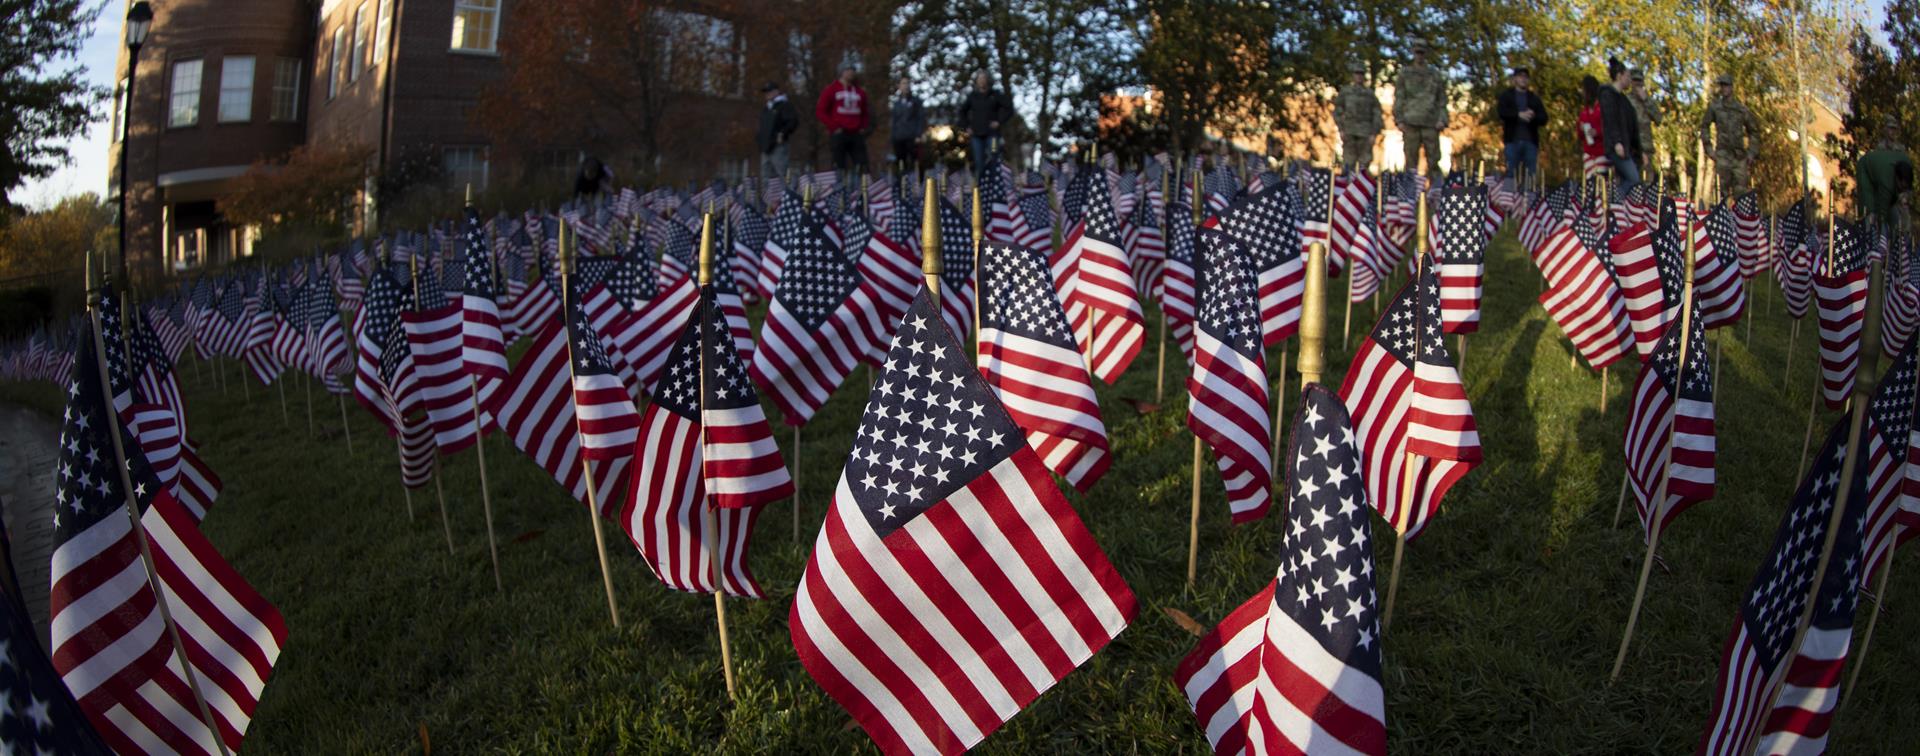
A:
1144,408
1185,621
528,536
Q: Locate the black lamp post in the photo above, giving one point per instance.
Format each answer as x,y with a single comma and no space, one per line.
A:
139,23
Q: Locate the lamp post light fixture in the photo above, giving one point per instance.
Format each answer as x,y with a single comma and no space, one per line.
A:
139,24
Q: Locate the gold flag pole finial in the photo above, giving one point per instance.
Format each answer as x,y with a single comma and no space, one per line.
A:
930,241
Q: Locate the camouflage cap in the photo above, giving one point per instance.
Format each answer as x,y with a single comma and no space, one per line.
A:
1417,44
1638,75
1723,79
1356,66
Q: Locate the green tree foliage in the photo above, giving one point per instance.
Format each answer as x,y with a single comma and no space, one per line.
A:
43,101
56,240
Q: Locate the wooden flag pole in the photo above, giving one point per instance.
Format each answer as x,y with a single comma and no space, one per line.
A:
344,430
400,456
566,244
1403,512
1199,453
1621,503
1603,390
1866,641
439,491
1313,325
1813,402
1666,471
480,456
281,386
979,237
140,530
306,391
1160,368
709,525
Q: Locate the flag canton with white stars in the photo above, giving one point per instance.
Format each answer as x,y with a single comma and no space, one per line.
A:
1850,247
1073,202
1891,412
119,370
478,265
1180,232
682,245
87,481
855,232
956,246
1560,200
789,222
589,357
427,287
319,305
1325,580
1665,360
815,279
1724,233
728,386
1778,594
1593,235
382,312
233,300
1039,214
633,279
1222,182
145,347
994,188
1316,184
1462,224
1747,204
904,226
1414,319
1019,295
1228,307
1266,226
749,227
1793,225
37,713
931,425
1668,251
1102,223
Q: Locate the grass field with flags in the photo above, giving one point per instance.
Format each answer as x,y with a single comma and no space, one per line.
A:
1510,610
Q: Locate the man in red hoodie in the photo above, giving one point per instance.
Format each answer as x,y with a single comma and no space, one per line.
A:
844,111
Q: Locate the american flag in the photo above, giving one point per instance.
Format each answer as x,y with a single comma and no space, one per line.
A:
287,336
637,340
1763,632
1033,220
154,381
996,200
1794,259
892,266
37,713
1028,355
483,345
1356,234
792,224
537,413
1460,247
1670,428
881,202
433,329
1583,297
1073,200
1840,300
325,339
1412,418
1227,391
1222,187
1722,293
1266,228
1176,292
1146,245
108,637
225,329
383,373
537,303
608,425
201,304
956,271
1296,669
749,237
1750,231
854,233
704,443
1900,310
921,610
1892,462
824,319
1641,259
1316,212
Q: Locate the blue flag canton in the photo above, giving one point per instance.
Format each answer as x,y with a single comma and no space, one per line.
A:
1669,248
477,263
119,368
1851,245
1073,202
1778,594
1890,414
589,355
37,713
956,246
1462,223
1316,189
1035,208
1793,226
1179,232
1411,327
1228,294
87,483
1102,222
1665,360
855,232
1326,582
381,312
904,227
727,382
931,425
790,222
682,245
233,300
632,279
815,279
1724,232
319,307
144,347
1019,295
750,227
1265,226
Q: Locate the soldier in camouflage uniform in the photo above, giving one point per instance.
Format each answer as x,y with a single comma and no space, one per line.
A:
1356,110
1420,109
1733,135
1646,113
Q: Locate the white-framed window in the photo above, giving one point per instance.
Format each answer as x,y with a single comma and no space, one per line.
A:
119,108
382,26
476,25
236,89
359,61
340,62
286,89
465,166
183,106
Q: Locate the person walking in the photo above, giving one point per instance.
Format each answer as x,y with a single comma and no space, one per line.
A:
1646,115
1885,180
843,111
907,120
1522,115
1420,110
984,112
1356,111
1619,132
1729,127
777,122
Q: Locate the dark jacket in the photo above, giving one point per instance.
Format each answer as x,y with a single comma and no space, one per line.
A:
777,122
1512,129
1619,127
984,108
907,118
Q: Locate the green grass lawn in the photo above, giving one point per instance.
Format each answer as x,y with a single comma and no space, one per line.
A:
1510,611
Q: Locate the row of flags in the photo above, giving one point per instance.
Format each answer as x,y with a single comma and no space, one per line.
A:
951,583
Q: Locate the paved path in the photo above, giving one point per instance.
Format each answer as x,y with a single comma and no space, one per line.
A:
28,445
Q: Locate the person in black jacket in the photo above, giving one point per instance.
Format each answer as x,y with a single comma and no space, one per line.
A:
1522,115
1620,127
777,122
983,113
908,119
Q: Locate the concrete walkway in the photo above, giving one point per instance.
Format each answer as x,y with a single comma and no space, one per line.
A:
29,445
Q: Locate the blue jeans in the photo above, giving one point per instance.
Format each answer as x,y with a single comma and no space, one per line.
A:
984,147
1523,158
1626,170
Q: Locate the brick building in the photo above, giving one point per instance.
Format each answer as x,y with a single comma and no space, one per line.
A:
226,84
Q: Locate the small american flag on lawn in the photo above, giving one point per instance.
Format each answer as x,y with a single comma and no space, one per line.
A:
1028,354
923,610
1840,301
1296,669
1266,228
1460,246
1227,391
1670,430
